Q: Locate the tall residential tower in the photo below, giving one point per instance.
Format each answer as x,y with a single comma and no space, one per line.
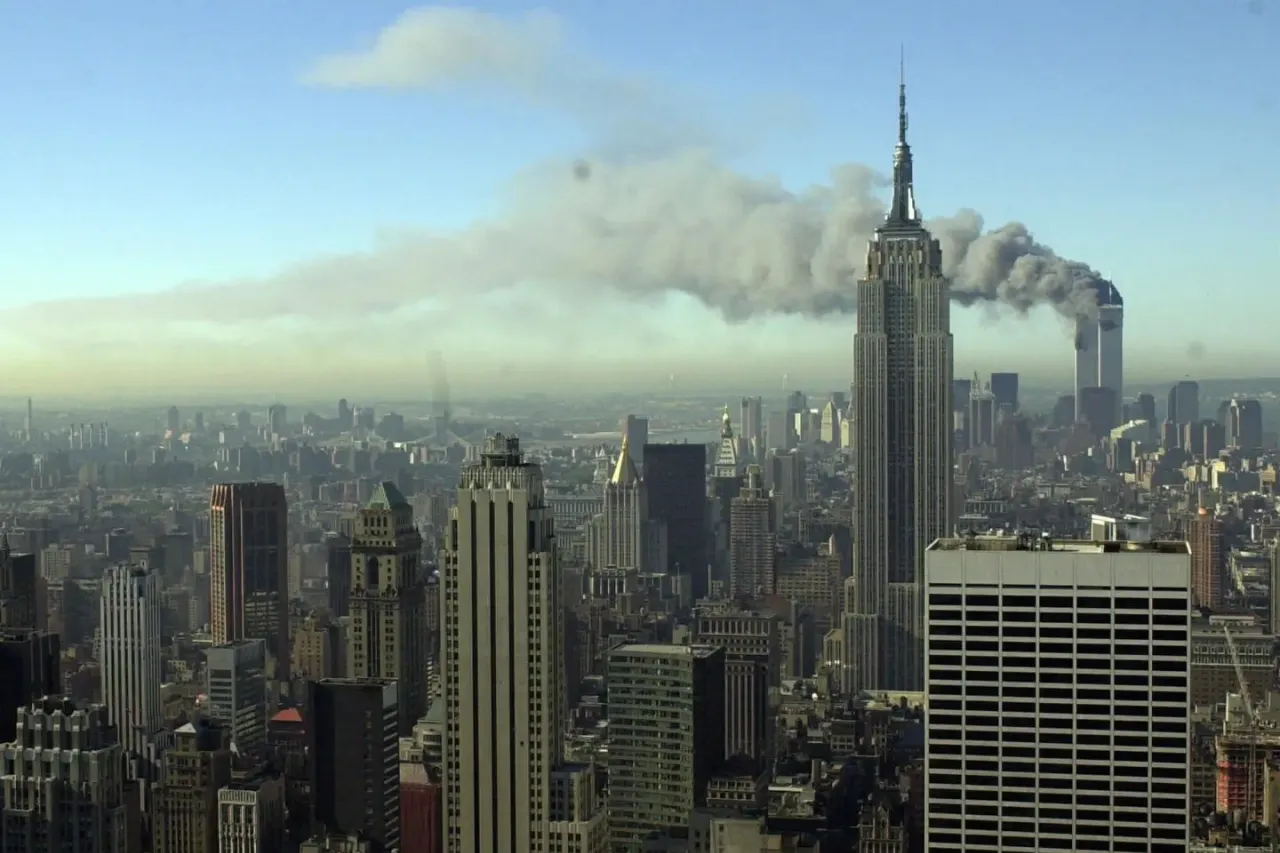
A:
902,408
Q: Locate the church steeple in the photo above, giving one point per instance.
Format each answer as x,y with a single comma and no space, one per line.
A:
903,210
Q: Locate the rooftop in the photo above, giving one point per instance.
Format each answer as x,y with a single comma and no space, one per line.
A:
667,650
1072,546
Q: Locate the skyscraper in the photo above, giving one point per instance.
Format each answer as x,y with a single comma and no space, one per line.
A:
63,782
1059,711
675,479
248,567
388,634
1100,347
19,589
666,723
1204,533
635,432
235,681
752,549
503,657
903,400
353,740
622,537
131,666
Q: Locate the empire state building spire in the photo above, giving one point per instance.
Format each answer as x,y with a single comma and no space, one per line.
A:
903,211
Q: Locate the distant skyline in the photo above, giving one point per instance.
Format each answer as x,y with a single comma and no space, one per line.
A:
354,186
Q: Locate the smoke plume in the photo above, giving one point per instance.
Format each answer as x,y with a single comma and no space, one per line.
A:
639,220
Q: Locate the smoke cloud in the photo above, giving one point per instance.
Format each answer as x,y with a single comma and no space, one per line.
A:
661,214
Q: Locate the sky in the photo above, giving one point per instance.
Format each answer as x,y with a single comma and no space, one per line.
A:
285,198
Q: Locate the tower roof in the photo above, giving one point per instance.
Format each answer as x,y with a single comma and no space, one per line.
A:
902,210
624,473
387,496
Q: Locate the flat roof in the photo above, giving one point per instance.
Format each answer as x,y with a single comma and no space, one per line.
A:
1073,546
667,649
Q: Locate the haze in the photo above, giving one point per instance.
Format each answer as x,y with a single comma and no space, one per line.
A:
263,200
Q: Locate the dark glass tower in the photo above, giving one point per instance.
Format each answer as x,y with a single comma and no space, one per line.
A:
902,438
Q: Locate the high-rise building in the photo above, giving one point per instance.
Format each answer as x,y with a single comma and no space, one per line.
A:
1099,347
132,669
236,684
666,712
29,671
185,809
752,546
353,743
752,644
1004,388
19,589
635,432
248,568
1244,424
903,401
1184,403
1059,711
622,537
387,638
675,478
252,814
1204,533
751,430
63,783
504,687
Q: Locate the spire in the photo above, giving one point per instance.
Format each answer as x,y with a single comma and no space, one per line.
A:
903,209
726,424
624,473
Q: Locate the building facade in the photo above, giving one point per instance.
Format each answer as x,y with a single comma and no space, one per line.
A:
902,441
132,668
387,638
249,568
666,713
1059,709
62,782
503,657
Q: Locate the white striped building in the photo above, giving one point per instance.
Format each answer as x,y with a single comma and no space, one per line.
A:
131,663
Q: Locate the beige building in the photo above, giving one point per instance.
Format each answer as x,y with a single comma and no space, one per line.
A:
185,818
388,633
251,815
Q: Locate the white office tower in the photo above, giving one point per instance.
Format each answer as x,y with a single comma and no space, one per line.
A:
129,623
1058,703
1100,347
503,658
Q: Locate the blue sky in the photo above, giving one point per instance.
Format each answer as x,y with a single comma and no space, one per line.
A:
149,144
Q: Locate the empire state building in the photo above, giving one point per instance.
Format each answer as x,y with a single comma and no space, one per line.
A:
903,354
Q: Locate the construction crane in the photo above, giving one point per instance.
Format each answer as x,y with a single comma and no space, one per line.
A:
1251,715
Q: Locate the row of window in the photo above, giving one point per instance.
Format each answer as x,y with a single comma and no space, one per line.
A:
1044,728
1056,645
947,682
1105,736
1109,745
974,631
1058,602
942,841
939,617
1172,795
1091,806
1027,676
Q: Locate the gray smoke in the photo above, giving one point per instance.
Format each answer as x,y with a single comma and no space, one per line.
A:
639,228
